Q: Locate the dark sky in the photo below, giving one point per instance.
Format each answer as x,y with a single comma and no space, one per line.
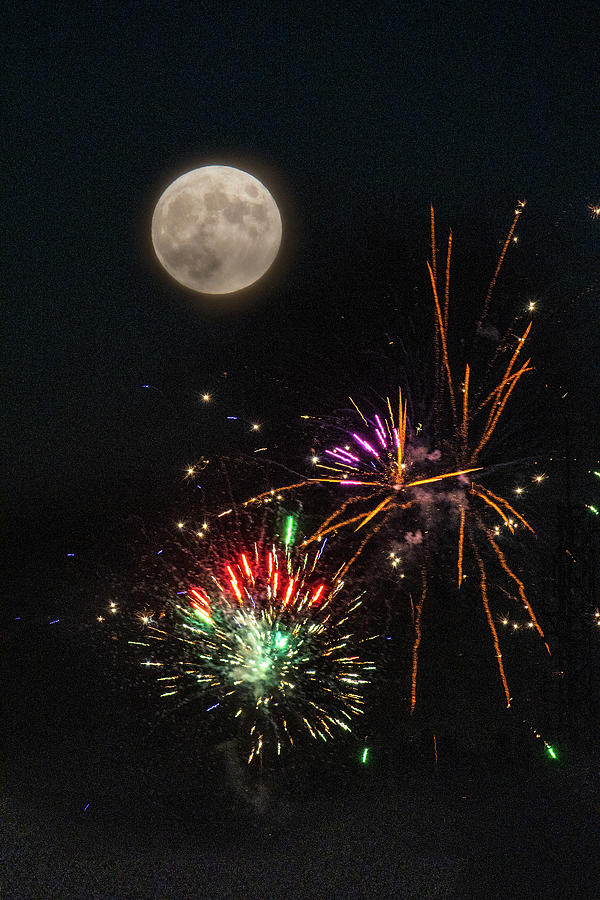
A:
356,116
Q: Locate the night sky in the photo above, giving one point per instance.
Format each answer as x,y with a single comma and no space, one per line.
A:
356,120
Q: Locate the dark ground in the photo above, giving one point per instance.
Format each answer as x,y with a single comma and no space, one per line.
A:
164,822
476,833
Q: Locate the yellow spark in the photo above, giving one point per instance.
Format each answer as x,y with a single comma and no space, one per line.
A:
357,410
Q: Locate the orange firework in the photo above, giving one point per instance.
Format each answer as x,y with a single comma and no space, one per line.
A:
468,453
385,467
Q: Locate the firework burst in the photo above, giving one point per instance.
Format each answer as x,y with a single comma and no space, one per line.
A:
266,643
378,460
390,472
388,469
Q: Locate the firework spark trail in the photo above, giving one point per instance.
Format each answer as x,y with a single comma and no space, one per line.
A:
461,541
374,512
323,529
447,284
493,505
464,431
433,245
492,627
500,400
520,586
267,643
493,393
417,641
492,285
436,340
506,504
441,331
344,568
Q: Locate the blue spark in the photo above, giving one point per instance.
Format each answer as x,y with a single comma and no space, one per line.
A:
321,550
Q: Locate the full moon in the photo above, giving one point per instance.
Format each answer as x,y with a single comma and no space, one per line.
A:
216,229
